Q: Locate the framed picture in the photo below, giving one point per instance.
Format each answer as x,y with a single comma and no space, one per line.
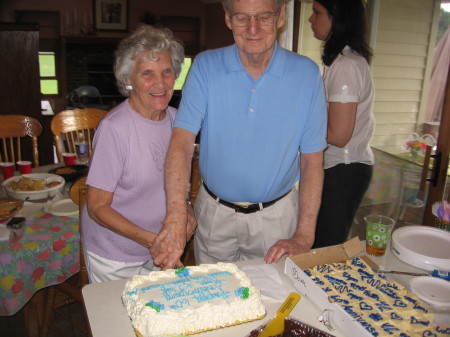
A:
111,15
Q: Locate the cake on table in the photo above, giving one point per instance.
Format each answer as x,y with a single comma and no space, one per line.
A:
191,299
383,308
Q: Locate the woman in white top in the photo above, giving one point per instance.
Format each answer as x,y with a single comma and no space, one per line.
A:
341,24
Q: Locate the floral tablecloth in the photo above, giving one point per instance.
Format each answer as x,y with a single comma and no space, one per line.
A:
45,253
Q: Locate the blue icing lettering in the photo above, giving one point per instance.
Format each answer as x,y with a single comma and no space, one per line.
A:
395,317
308,272
416,321
375,283
364,275
340,266
389,292
443,330
376,317
370,294
389,328
399,304
337,299
348,277
393,286
318,281
324,269
180,304
402,334
357,287
419,307
199,288
364,306
358,263
334,280
383,306
353,296
428,333
372,330
327,289
343,289
410,299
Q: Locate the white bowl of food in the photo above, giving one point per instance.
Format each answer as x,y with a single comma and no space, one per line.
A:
34,186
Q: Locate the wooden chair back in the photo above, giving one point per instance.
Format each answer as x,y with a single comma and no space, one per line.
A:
78,193
67,125
12,129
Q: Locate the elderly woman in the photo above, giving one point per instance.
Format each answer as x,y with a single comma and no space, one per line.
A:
126,198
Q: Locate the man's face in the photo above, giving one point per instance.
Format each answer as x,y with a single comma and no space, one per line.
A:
257,36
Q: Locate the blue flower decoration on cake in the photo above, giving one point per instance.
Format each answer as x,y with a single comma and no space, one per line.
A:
242,292
155,305
182,272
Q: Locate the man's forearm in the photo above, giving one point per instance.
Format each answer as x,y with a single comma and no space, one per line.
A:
177,169
310,194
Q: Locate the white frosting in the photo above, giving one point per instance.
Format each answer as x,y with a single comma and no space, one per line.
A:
202,298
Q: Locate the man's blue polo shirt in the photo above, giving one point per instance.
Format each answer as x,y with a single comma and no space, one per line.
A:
252,131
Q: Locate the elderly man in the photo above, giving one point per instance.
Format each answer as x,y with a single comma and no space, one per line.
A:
262,114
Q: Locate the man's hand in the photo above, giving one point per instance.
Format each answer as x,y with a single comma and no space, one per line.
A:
169,244
288,247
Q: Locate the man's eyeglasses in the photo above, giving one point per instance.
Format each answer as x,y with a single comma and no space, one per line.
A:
242,19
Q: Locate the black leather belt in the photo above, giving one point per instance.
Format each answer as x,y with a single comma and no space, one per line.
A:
251,208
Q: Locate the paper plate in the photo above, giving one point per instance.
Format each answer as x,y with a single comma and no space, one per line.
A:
63,207
422,247
432,290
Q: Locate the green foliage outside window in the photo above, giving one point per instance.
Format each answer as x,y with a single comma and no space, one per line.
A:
184,71
47,72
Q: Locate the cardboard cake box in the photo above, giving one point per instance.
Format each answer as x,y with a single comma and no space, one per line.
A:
333,315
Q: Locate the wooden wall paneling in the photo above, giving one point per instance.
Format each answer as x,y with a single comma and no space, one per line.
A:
19,82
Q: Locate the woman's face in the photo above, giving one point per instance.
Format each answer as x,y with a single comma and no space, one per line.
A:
152,82
320,22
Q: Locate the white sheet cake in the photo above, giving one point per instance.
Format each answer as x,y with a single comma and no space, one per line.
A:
191,299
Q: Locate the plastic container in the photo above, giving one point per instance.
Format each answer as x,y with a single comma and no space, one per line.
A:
82,150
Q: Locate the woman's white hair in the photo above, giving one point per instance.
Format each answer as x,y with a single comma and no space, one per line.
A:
228,6
146,39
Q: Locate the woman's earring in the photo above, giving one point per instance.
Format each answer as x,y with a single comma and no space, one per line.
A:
129,87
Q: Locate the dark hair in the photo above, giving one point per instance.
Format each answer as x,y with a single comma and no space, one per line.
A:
348,27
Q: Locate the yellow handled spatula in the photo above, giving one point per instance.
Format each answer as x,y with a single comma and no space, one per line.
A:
276,326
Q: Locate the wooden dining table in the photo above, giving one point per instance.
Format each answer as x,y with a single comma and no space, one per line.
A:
44,253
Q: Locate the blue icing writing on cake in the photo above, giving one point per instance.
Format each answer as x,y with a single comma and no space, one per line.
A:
383,308
190,300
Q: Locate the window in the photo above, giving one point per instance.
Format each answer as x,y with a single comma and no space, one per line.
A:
47,73
184,71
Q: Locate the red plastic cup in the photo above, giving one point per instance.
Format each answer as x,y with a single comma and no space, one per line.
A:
7,169
69,158
24,166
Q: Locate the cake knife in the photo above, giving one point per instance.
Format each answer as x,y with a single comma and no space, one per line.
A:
387,271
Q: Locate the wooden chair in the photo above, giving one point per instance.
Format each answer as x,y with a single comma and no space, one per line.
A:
12,129
69,291
67,125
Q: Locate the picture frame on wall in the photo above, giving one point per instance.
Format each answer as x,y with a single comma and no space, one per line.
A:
111,15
